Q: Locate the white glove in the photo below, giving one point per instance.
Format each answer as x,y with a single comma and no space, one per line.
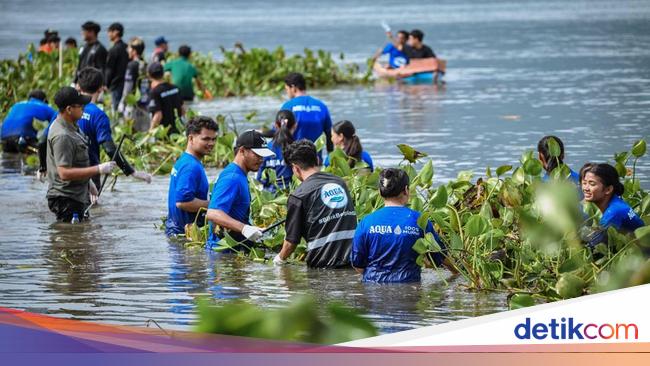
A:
92,190
252,233
144,176
279,261
120,108
107,168
41,176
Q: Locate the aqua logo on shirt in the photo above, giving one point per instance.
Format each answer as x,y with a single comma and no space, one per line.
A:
333,196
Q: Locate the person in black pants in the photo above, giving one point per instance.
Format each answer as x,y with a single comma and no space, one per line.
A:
116,63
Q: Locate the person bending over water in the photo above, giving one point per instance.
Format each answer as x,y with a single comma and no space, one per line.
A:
382,248
285,126
601,186
344,136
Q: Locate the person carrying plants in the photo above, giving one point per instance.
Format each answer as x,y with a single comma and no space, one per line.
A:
320,210
18,133
382,249
92,53
285,126
69,171
344,137
312,116
188,183
116,62
183,73
96,126
230,202
135,80
165,102
601,186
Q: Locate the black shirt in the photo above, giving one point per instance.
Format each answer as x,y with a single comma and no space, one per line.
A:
116,63
424,52
136,74
321,211
92,54
166,97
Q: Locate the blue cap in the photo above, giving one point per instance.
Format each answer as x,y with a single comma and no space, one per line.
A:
160,40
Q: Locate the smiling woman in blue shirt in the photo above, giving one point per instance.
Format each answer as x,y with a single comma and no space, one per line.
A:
382,248
344,137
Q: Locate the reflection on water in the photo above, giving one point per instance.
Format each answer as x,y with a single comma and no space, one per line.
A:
578,70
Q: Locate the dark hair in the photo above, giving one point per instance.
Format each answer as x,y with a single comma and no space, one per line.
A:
184,51
50,32
71,41
42,41
38,94
607,174
295,79
197,123
301,153
542,148
392,182
416,33
137,44
117,27
91,26
90,79
53,38
284,122
351,146
404,32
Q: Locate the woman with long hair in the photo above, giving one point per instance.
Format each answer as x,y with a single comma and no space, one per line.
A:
285,126
344,137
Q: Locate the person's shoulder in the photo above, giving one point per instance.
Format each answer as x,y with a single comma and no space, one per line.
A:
365,154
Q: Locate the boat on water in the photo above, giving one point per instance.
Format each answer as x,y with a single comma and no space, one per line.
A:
417,71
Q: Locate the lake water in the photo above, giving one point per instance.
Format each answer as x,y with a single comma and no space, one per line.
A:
516,71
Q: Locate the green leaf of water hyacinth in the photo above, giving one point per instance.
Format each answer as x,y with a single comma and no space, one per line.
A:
553,147
518,301
533,167
639,149
476,225
503,169
569,286
439,199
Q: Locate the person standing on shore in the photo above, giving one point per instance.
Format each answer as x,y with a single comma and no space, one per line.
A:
70,189
312,116
165,102
92,53
320,210
188,185
230,202
116,63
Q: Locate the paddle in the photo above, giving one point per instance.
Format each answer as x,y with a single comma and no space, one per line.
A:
101,187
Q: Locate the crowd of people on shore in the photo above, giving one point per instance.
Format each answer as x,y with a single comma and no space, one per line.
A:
320,210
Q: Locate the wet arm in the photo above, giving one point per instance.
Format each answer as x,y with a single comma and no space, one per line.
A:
192,206
224,220
287,249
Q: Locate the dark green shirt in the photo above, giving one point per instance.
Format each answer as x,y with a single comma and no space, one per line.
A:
183,72
67,147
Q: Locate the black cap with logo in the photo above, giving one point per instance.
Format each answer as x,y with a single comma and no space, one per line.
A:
254,140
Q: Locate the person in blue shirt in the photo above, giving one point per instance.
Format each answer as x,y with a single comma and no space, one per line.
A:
285,126
188,184
394,49
601,185
230,202
18,133
344,137
312,116
550,163
382,248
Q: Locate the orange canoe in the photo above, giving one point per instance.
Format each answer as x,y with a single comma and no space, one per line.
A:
415,66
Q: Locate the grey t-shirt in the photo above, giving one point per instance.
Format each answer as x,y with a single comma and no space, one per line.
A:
67,146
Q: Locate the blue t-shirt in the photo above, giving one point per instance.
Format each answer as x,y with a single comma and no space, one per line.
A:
365,157
383,245
396,58
187,182
21,116
312,117
95,124
231,195
283,172
621,216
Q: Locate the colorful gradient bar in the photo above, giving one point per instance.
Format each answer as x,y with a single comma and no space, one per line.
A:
27,338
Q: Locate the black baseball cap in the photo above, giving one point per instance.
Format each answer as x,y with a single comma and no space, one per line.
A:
155,69
68,96
254,140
